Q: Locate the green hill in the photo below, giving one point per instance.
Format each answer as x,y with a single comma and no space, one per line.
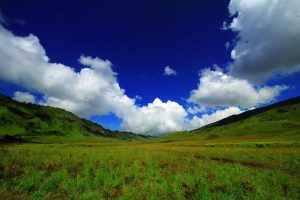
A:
22,121
276,122
30,122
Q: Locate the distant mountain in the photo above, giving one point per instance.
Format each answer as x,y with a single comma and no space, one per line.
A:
279,121
24,121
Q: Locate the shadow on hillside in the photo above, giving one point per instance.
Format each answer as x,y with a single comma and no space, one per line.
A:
9,139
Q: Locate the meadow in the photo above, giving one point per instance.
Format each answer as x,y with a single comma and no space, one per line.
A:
150,169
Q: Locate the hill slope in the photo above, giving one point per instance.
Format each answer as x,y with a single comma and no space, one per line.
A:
279,121
32,121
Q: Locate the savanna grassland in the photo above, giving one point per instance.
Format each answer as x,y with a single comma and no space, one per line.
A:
49,153
184,169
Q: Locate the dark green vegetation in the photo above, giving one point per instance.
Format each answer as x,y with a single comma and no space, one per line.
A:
255,155
31,122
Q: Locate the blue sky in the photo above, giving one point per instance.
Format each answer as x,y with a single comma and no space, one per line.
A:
141,38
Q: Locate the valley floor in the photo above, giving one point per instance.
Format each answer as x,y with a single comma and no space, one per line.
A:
156,170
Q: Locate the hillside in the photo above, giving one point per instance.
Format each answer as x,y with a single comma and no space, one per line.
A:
20,121
279,121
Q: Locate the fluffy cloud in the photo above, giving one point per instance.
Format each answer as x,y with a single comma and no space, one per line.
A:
156,118
94,90
206,119
268,38
169,71
195,109
267,43
24,97
216,88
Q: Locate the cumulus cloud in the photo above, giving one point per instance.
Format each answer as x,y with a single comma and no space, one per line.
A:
268,38
169,71
206,119
94,90
194,109
24,97
156,118
216,88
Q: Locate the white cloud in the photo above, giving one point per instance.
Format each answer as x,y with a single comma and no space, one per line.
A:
194,109
169,71
216,88
156,118
94,90
24,97
206,119
268,38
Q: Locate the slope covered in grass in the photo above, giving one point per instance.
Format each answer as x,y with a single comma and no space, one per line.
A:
21,120
280,121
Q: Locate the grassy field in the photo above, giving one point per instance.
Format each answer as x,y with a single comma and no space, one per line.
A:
185,169
48,153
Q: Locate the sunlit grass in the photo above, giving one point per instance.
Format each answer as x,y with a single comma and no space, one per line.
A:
179,170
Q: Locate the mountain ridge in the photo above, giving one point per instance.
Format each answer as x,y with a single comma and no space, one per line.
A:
276,122
26,119
20,122
250,113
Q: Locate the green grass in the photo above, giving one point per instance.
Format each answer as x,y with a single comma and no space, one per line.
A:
32,122
123,170
254,157
276,123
